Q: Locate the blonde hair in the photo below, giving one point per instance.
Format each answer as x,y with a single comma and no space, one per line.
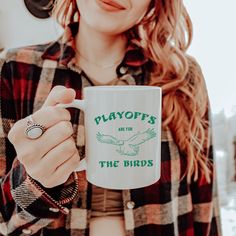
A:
165,34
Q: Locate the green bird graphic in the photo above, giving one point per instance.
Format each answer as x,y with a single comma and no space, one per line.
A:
129,147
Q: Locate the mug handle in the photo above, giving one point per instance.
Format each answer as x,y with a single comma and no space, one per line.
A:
79,104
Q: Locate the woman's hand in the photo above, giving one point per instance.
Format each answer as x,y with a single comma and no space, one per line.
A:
52,157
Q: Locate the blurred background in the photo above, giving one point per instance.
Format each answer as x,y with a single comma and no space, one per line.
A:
214,47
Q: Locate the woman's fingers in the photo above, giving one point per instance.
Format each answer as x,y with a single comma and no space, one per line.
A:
50,116
63,171
61,174
60,154
46,117
53,160
51,138
59,94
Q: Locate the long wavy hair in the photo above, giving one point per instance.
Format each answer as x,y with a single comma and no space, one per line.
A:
165,33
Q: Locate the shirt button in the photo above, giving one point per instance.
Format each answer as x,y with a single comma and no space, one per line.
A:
54,209
27,231
66,210
130,204
123,70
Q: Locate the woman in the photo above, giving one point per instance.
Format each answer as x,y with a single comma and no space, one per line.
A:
106,42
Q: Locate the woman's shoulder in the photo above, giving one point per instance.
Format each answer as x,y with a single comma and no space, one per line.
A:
31,54
194,68
195,83
194,76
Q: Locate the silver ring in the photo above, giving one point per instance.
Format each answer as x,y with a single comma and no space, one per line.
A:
33,130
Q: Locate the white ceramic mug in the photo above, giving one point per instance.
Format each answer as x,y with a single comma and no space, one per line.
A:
123,135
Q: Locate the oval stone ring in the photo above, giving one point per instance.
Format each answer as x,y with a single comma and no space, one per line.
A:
33,130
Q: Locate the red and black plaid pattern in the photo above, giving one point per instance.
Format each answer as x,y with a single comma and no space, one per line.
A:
169,207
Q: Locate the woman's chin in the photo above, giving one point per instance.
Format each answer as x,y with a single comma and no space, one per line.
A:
105,27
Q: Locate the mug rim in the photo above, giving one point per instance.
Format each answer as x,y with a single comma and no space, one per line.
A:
123,88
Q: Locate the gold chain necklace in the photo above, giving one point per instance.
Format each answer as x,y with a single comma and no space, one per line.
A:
98,65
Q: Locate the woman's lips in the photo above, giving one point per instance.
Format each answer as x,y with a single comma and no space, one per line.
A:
110,5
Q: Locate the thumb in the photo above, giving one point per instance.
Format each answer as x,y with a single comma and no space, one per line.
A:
59,94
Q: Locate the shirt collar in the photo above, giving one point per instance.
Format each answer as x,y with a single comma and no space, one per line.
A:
63,50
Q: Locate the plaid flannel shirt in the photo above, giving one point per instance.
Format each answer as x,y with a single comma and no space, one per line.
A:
171,206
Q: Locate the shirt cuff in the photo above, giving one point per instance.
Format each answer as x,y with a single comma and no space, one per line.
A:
41,202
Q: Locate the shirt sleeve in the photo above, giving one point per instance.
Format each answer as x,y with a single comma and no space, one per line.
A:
24,204
206,213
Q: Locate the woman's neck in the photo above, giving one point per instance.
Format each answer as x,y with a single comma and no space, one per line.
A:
98,47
